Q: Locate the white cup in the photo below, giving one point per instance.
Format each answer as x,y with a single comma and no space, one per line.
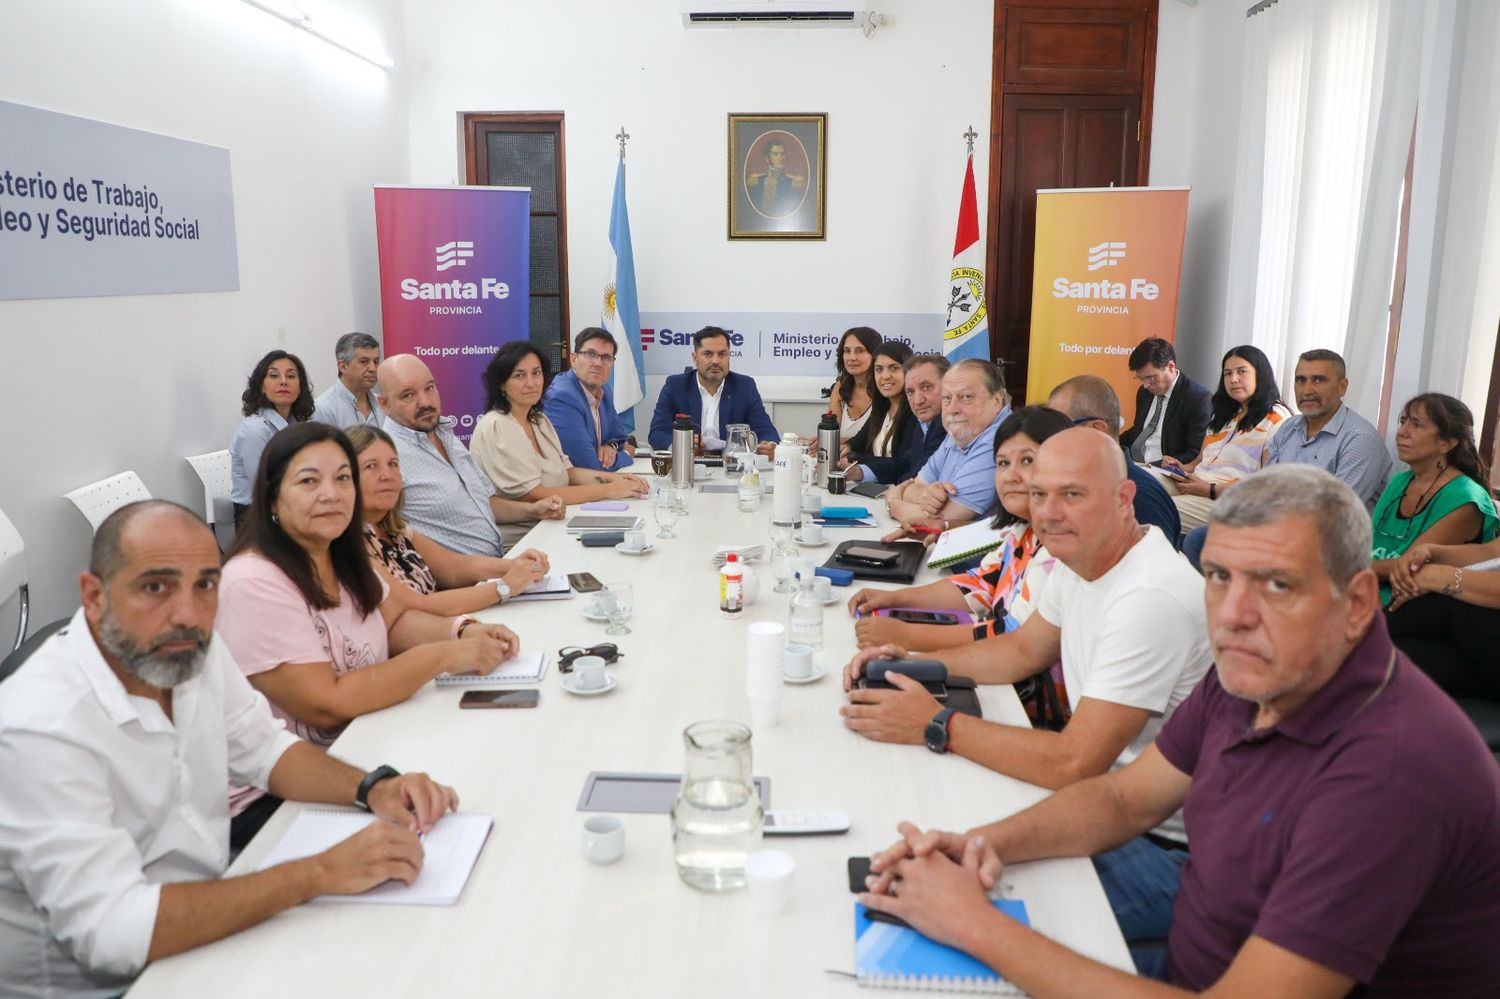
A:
603,838
811,502
823,588
769,873
635,540
797,661
763,462
588,673
812,534
764,708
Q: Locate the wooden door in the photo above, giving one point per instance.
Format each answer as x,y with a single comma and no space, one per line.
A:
1071,108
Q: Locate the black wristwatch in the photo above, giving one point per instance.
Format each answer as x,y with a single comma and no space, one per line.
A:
380,773
935,735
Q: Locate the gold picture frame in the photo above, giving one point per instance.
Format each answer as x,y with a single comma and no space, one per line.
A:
778,176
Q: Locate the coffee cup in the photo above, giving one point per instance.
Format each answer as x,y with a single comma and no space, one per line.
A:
635,540
797,661
762,463
835,483
811,502
823,588
603,838
588,673
812,534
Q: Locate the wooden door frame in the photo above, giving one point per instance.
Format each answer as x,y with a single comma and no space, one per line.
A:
469,123
999,90
1491,416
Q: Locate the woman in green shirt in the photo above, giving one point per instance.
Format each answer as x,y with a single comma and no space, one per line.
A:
1442,498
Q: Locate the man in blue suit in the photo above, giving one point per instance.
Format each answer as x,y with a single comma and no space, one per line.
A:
581,405
713,396
920,436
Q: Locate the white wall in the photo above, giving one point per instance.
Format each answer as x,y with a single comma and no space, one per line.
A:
94,386
897,103
1194,142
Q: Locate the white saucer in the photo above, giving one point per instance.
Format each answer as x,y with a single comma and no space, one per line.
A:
817,674
610,683
812,544
599,616
634,551
833,598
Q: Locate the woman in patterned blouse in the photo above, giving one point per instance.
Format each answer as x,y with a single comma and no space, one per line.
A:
449,583
1007,584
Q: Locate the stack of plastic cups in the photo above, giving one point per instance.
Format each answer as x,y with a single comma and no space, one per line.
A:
765,645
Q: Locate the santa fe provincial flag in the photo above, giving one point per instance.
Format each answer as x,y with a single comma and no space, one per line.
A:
968,330
621,313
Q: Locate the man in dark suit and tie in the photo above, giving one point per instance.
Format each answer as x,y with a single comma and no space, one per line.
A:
1171,410
713,396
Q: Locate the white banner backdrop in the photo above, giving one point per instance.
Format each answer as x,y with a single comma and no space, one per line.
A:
779,343
90,208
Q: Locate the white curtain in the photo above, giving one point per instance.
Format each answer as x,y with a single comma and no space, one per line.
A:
1328,100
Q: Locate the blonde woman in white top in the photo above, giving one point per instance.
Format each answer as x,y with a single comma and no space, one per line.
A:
517,446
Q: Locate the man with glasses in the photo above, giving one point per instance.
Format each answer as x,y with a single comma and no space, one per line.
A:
1171,410
581,406
958,482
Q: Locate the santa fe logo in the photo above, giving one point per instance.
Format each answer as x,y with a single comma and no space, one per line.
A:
1108,254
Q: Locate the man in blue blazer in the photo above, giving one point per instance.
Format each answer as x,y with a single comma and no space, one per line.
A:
581,405
713,389
920,437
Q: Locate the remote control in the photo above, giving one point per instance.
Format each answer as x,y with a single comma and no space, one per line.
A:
805,822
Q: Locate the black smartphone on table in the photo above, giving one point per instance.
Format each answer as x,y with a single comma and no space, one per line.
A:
870,555
500,699
859,869
584,582
923,617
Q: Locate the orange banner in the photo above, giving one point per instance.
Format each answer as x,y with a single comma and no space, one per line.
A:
1108,264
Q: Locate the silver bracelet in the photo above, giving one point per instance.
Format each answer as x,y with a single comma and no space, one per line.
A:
1456,587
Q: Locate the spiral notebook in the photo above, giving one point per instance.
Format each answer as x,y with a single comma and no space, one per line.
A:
520,669
887,956
449,853
959,544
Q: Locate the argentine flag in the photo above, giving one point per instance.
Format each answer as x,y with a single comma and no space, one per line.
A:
621,315
967,333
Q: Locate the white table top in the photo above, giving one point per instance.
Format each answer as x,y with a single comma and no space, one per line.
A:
536,919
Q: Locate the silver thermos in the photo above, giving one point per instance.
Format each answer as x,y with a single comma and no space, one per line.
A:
682,451
828,449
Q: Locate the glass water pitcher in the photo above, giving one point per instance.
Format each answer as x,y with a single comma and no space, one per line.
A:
717,817
739,449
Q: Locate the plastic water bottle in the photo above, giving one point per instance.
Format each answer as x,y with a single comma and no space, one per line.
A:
749,490
805,624
732,588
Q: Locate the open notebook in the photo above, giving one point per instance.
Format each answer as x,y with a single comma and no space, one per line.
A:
519,670
888,956
449,853
550,587
959,544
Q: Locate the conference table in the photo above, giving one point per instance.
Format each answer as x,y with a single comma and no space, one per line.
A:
536,918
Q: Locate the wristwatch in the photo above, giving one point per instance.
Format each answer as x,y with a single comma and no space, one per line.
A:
380,773
935,735
501,587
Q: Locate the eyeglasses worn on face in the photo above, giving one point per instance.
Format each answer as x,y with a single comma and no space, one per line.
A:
607,651
595,356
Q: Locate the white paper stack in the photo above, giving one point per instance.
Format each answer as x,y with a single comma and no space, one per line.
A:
765,646
746,553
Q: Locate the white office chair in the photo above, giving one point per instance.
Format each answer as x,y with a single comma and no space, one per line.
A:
98,500
13,573
218,508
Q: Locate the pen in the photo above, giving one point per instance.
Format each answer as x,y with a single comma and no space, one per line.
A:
924,529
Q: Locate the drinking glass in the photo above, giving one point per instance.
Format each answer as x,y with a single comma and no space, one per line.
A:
682,496
619,599
782,553
664,506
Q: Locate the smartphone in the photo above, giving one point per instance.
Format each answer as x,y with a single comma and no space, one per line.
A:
584,582
869,555
923,617
859,869
500,699
1176,473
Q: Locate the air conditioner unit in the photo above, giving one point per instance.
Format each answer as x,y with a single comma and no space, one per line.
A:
772,14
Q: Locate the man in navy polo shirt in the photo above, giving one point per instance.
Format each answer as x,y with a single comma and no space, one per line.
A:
1344,815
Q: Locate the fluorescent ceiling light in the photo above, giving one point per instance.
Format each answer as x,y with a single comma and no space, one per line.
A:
299,18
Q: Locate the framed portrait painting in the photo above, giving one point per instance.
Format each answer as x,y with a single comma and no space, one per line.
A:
777,175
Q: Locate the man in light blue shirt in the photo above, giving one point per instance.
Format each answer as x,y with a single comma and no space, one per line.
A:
447,497
351,399
958,482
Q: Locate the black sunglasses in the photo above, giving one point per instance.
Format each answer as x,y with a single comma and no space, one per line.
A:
608,651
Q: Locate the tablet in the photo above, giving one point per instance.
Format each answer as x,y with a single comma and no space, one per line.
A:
642,793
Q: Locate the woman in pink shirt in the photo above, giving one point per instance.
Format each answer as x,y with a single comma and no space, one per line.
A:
307,618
